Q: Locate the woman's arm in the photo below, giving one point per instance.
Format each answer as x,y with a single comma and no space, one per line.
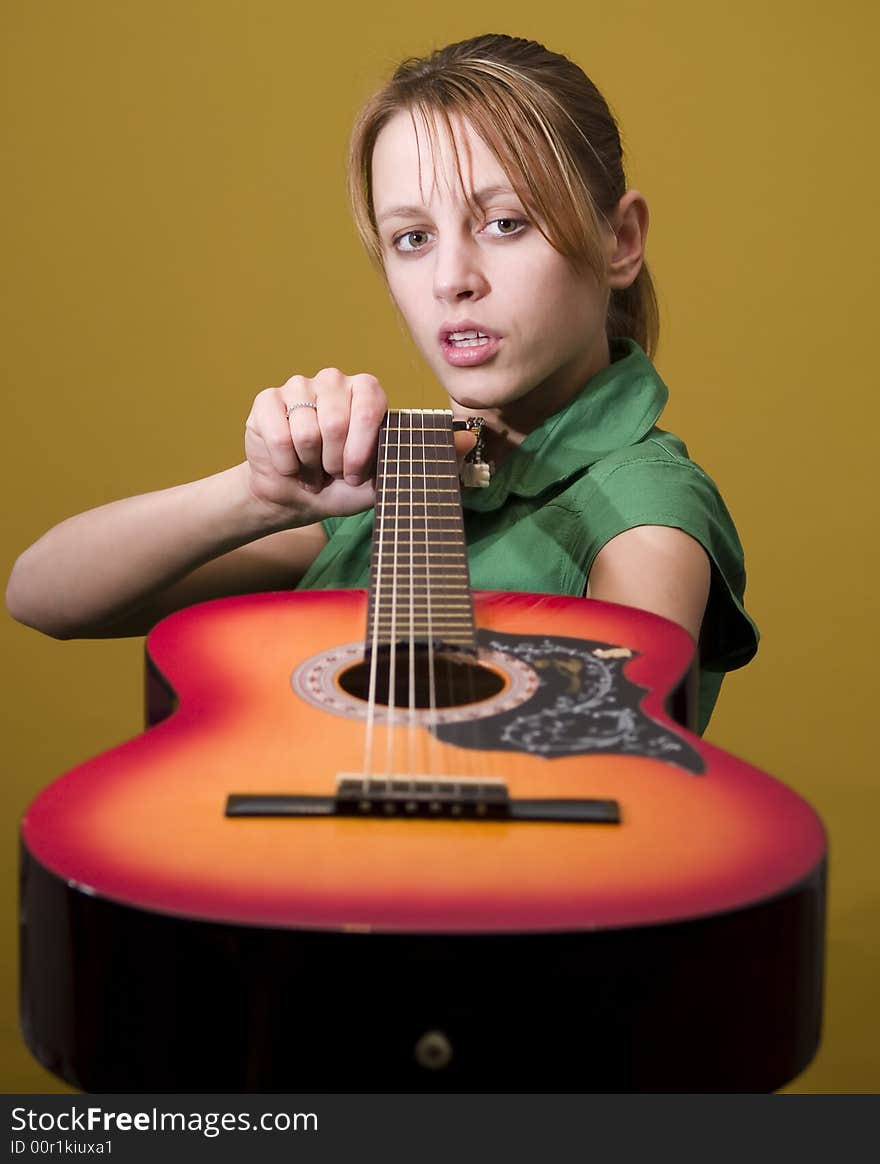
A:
115,570
658,568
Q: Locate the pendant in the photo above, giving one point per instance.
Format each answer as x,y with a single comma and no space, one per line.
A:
475,472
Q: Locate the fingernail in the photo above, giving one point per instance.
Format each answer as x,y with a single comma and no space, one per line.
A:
353,479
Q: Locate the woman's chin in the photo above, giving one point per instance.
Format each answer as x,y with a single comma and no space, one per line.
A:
473,396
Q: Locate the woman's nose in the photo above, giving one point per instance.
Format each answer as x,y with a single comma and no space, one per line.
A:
458,268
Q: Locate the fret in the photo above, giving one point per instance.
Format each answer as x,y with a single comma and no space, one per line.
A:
387,530
418,556
432,444
398,461
416,520
385,588
457,639
387,634
419,620
385,619
439,590
428,582
423,571
426,578
389,533
440,414
406,626
392,533
418,497
425,630
454,491
432,629
429,599
442,547
457,606
423,548
404,591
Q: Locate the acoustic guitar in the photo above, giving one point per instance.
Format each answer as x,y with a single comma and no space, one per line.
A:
420,838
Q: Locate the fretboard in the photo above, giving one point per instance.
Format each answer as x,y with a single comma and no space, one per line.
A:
419,584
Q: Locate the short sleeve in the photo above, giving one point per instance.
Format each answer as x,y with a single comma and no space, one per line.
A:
330,525
344,562
670,490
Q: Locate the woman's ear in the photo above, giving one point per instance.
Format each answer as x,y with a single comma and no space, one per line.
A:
627,247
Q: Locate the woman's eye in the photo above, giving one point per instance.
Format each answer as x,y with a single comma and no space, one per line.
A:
409,234
517,222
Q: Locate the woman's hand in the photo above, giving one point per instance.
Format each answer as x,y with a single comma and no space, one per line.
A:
311,445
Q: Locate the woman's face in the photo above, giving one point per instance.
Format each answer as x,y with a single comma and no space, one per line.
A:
444,266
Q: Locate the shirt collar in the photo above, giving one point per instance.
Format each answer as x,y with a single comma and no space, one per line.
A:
614,409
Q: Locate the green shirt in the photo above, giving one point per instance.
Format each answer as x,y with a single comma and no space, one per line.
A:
595,468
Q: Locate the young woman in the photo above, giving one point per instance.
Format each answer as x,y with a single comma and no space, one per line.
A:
487,184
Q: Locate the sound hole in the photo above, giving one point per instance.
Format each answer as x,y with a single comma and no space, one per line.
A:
457,679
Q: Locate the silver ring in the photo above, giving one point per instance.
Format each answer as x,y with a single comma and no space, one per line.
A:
299,404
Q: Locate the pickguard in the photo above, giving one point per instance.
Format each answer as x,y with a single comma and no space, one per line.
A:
584,705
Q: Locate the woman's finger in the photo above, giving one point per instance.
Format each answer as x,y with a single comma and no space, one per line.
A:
368,407
303,429
267,433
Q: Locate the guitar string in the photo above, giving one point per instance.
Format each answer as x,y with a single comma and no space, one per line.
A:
412,732
481,767
452,669
431,743
440,490
412,729
392,654
470,763
374,630
465,760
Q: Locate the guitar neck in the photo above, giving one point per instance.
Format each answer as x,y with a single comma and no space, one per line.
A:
419,583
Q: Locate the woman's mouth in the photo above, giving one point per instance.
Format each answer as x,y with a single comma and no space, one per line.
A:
464,349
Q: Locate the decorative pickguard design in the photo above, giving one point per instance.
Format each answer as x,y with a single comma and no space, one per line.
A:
583,705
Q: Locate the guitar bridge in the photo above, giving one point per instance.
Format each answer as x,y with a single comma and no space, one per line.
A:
421,796
425,797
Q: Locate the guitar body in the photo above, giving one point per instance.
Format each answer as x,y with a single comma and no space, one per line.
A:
168,946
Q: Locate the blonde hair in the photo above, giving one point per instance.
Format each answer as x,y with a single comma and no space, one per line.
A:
550,129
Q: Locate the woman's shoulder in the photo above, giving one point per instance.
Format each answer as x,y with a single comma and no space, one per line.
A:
653,477
657,447
656,482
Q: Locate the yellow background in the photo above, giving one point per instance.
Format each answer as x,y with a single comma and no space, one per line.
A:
176,237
